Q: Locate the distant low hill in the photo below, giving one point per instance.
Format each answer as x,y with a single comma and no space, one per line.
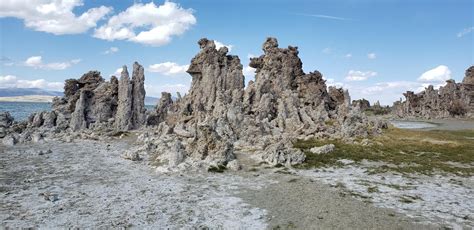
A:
151,100
41,95
15,92
28,98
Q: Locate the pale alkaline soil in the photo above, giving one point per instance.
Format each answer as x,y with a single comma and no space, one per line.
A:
447,200
422,171
301,202
87,184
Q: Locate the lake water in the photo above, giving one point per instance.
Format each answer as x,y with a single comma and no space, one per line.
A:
21,110
413,124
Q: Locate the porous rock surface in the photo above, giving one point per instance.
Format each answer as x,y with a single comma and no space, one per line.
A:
6,120
451,100
217,118
89,103
362,104
220,117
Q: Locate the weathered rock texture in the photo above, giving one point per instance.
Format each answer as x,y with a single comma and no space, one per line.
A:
6,120
200,126
89,103
131,95
452,100
362,104
219,116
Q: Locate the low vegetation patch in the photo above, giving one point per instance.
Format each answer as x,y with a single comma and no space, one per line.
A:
374,111
119,133
216,169
401,150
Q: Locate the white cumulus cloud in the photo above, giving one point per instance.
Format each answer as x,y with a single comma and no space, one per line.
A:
37,63
382,87
356,75
155,90
438,74
148,24
7,80
249,71
333,82
10,81
53,16
33,61
168,68
220,44
117,72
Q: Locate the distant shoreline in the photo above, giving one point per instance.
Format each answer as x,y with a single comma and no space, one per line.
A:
29,98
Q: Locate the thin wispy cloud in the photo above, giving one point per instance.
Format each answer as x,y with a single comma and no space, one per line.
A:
322,16
111,50
465,32
371,56
326,50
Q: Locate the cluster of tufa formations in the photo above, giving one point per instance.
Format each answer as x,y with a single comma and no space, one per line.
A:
219,117
89,103
452,100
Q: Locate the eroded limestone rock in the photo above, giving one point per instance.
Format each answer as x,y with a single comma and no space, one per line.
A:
361,104
282,153
6,120
323,149
451,100
282,105
131,99
201,129
89,103
161,111
124,109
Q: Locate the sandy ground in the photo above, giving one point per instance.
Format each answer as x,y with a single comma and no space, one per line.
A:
87,184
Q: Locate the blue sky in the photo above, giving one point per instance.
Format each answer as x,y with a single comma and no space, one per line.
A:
376,49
